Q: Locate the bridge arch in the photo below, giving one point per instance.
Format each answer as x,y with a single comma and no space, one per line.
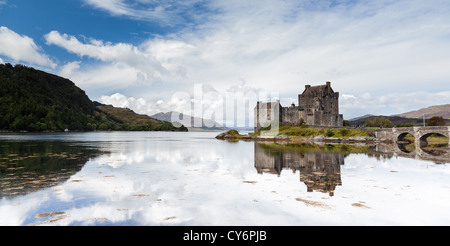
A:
402,136
405,148
424,138
420,134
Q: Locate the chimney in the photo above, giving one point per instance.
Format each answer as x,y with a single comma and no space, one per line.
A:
328,84
307,87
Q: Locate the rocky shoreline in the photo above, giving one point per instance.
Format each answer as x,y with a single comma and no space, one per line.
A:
320,138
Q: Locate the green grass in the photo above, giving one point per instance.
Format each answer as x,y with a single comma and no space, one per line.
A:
433,139
305,131
309,147
233,132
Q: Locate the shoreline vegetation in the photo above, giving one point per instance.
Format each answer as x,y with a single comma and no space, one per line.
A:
326,135
305,134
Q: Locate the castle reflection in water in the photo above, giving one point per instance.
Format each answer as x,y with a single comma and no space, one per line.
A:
320,165
319,170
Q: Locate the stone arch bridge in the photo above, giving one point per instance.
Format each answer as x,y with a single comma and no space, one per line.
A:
420,134
396,150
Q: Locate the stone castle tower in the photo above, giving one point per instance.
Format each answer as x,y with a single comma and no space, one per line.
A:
318,106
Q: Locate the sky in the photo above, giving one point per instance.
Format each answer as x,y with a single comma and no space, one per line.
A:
384,57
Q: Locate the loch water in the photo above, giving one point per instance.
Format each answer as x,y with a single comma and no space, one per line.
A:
172,178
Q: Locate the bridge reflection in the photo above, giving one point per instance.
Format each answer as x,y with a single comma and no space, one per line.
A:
436,155
319,166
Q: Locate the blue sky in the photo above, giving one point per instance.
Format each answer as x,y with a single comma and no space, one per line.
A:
384,57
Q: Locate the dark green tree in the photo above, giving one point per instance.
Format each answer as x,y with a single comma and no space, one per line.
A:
379,122
436,121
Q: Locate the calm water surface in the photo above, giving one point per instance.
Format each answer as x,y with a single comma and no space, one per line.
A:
167,178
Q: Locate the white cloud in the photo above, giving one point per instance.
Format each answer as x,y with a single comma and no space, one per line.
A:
22,48
390,49
122,65
277,46
393,103
101,79
106,52
68,69
166,12
118,100
119,7
141,106
230,108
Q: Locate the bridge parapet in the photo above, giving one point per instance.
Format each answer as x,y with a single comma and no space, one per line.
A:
420,133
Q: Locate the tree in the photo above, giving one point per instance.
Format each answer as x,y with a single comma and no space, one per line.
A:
436,121
33,100
385,123
405,125
379,122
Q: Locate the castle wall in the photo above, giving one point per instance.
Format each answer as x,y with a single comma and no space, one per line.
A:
327,103
265,113
298,116
323,119
318,106
293,116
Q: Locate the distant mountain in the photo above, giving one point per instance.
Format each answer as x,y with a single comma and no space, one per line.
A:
361,117
206,124
437,110
33,100
414,117
137,122
396,120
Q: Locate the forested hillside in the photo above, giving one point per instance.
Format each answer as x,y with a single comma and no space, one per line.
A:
33,100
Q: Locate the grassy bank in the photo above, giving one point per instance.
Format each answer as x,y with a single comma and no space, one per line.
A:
310,147
305,131
435,139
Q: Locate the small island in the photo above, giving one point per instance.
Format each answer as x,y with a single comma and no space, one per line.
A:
305,133
316,118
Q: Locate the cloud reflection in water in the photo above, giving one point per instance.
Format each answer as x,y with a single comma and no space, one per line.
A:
194,179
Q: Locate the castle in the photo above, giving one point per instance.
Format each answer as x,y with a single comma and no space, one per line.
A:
318,106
